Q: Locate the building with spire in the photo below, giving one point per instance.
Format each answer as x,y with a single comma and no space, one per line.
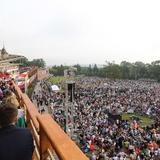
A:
4,53
9,64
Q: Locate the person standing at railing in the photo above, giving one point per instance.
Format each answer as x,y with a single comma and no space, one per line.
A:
8,94
6,88
21,113
15,143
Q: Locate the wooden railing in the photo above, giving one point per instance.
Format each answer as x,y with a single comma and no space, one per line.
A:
50,140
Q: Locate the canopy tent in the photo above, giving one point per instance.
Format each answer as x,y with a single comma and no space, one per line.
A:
55,88
23,75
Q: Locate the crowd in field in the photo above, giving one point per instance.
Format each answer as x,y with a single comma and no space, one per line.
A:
88,117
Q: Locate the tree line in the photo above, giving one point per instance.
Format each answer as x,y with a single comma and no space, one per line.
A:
35,62
124,70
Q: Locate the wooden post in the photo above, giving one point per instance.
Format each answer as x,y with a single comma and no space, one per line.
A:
44,145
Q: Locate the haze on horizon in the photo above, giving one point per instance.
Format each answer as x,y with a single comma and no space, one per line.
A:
83,32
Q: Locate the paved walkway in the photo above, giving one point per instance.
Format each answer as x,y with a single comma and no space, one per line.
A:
41,75
36,89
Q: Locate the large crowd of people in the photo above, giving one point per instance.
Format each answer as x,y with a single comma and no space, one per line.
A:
96,133
87,119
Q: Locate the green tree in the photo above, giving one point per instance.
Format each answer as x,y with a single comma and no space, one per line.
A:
95,70
149,70
78,68
37,62
84,71
90,70
24,62
125,68
53,71
112,70
140,69
156,68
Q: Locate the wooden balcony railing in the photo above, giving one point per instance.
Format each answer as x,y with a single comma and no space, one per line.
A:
51,141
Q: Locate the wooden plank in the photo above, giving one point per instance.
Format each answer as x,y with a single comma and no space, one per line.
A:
64,147
31,110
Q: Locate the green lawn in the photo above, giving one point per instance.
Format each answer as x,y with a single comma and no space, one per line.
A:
59,79
145,120
54,80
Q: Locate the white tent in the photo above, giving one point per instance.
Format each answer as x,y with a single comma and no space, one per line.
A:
55,88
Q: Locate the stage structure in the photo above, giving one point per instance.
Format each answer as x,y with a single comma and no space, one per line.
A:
70,72
115,115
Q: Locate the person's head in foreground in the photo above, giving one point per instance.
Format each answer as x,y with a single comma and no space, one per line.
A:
16,143
8,114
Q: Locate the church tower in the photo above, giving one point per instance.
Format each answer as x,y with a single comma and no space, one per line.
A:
4,53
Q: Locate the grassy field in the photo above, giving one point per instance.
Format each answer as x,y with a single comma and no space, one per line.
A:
55,80
58,80
145,120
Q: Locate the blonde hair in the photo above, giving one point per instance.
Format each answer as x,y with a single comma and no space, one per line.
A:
13,100
8,93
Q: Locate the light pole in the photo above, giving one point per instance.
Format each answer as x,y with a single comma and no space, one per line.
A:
70,102
67,109
70,85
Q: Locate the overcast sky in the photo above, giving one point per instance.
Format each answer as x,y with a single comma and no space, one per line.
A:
81,31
